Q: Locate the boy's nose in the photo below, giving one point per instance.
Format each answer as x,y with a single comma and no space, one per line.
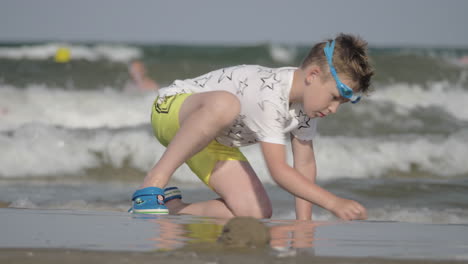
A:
333,108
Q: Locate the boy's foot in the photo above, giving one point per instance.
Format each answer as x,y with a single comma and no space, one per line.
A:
173,198
171,193
149,200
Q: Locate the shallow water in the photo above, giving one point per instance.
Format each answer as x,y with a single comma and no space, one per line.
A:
104,231
405,200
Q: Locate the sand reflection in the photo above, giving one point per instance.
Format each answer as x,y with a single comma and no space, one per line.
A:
172,233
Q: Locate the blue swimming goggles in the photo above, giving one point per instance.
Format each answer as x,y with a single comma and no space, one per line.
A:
344,90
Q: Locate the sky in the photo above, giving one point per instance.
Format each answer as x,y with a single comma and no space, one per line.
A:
380,22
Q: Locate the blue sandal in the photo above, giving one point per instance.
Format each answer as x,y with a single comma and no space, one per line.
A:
149,200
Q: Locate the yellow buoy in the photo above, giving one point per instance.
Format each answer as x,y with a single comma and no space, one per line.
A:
62,55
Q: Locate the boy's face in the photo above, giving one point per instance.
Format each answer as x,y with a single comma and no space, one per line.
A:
322,98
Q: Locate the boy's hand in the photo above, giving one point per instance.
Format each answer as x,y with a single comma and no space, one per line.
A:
348,209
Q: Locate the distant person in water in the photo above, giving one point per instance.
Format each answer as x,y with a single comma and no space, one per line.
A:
463,60
140,81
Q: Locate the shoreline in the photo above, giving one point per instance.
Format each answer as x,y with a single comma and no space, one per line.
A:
69,235
45,256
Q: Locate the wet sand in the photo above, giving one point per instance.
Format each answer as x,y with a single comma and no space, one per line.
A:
44,236
45,256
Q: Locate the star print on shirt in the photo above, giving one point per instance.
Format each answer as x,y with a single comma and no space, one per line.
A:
239,122
281,119
262,104
284,100
237,134
269,82
227,74
202,81
303,120
262,69
242,85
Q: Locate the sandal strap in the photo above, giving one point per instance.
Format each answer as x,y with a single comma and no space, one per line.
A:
148,191
171,193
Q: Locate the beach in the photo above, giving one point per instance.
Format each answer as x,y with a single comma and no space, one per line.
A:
35,235
37,256
75,145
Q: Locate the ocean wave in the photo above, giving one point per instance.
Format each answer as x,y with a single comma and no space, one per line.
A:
40,150
114,53
444,95
410,154
117,198
397,108
96,64
421,215
26,203
38,104
283,54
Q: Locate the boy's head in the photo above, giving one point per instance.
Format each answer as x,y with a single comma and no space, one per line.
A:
350,58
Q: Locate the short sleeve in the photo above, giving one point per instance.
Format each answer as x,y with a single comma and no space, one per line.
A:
271,122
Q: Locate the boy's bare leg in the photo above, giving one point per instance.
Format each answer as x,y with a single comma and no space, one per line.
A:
238,185
241,191
201,117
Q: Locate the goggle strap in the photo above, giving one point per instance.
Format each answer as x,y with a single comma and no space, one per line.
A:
329,48
355,101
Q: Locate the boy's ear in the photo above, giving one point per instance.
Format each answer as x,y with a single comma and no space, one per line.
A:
312,73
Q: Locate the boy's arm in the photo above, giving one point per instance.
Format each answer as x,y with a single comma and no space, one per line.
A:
304,163
295,183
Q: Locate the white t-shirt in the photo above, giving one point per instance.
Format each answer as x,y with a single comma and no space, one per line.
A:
265,115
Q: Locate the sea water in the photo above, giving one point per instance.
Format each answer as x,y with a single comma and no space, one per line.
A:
72,136
66,232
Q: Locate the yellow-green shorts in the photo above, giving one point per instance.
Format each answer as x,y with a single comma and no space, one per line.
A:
165,123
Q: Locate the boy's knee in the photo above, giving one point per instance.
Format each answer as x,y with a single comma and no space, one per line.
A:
225,106
266,212
259,212
262,213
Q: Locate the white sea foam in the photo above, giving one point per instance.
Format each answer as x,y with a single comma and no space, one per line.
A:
73,109
26,203
23,203
39,136
361,158
373,157
420,215
115,53
449,97
388,213
282,54
38,150
399,214
112,108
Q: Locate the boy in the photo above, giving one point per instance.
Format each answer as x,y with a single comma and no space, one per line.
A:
202,121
